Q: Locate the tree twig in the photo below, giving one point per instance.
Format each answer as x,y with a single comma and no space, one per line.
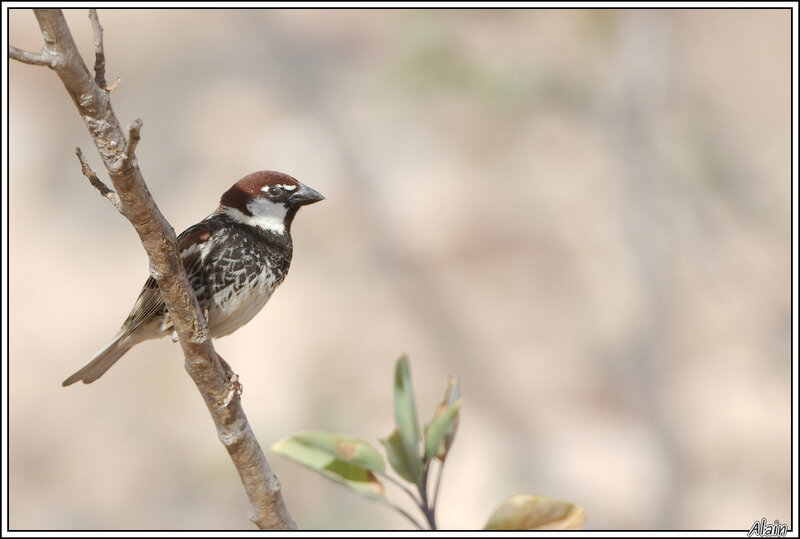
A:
268,510
99,55
96,182
125,160
28,57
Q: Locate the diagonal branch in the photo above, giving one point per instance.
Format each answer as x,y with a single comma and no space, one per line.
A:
133,199
96,182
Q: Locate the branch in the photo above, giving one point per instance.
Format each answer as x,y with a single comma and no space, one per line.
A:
96,182
134,201
27,57
99,55
126,160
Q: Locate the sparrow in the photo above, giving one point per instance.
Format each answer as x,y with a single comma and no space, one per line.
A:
235,259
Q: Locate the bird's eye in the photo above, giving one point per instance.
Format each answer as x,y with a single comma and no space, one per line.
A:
274,191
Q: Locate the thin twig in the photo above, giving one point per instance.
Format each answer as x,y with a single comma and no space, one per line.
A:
110,194
28,57
405,489
125,160
99,56
402,512
422,487
436,485
133,137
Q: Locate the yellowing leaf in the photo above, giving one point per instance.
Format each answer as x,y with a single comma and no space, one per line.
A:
439,434
339,457
441,431
533,512
344,447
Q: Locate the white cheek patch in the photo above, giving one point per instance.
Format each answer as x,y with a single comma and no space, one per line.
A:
266,215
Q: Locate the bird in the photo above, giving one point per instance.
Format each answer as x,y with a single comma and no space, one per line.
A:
235,259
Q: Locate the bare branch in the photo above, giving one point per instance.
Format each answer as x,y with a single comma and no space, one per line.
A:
268,510
96,182
27,57
133,136
125,160
99,56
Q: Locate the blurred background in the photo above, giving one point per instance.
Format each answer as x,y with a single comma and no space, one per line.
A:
583,215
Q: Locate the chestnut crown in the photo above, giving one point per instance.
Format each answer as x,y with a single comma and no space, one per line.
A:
267,199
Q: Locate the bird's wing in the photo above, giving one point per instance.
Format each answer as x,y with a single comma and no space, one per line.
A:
150,302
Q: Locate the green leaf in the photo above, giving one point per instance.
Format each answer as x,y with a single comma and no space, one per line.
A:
437,441
405,411
345,448
407,465
339,457
533,512
441,431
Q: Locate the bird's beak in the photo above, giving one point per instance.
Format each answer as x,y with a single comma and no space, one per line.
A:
305,195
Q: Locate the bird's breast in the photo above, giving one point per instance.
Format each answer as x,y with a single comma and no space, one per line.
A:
234,306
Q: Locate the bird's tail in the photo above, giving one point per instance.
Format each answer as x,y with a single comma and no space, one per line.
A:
102,361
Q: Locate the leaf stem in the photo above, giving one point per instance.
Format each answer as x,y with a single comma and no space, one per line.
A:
440,471
422,486
404,489
403,512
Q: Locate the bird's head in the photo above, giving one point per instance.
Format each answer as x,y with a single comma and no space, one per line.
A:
267,200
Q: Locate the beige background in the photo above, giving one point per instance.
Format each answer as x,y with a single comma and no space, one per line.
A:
583,215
